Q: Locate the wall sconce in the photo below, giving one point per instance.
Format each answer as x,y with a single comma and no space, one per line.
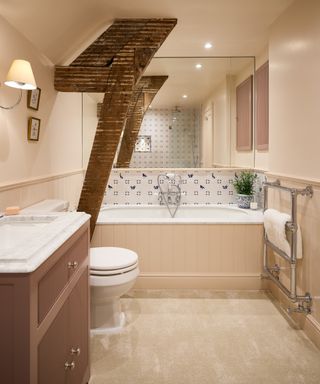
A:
20,76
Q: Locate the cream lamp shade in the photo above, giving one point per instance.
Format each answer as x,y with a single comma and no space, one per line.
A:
20,75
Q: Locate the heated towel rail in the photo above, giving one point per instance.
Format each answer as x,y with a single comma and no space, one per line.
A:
272,273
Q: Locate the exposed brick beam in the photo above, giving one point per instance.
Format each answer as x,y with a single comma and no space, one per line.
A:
137,33
113,64
81,79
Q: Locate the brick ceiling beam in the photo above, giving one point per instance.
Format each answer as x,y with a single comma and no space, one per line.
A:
113,64
136,33
81,79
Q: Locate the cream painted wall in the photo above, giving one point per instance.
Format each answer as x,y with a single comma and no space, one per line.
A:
239,158
90,122
261,160
294,51
59,147
294,59
219,142
223,142
221,118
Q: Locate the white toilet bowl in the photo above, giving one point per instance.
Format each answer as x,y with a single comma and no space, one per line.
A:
113,272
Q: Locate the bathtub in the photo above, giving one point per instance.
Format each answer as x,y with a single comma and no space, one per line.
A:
210,247
185,215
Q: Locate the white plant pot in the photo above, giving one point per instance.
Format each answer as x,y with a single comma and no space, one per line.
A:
244,200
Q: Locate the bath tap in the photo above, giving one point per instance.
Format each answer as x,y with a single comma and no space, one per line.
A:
171,196
160,198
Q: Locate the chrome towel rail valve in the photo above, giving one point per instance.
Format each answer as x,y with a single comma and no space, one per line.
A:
275,270
308,191
304,305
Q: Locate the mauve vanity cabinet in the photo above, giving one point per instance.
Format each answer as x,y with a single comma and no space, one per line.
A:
44,318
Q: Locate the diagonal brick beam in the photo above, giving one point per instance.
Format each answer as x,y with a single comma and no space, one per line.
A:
114,63
144,93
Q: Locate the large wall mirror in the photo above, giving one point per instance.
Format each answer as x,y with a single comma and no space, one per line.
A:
193,120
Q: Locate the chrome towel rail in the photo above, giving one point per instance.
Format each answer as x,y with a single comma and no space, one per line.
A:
307,191
305,301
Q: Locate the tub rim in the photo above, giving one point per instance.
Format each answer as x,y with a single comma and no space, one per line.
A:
251,217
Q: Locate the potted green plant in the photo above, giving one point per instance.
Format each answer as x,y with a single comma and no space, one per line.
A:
244,184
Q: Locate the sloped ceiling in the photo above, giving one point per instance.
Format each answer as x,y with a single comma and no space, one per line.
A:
62,29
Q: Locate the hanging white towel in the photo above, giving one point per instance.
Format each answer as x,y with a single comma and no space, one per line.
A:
275,227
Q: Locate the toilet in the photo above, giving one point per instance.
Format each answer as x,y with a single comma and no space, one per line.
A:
113,272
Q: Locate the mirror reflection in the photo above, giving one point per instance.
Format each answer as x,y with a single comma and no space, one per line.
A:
194,118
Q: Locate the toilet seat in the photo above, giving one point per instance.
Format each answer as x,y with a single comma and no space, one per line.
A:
111,258
108,272
112,265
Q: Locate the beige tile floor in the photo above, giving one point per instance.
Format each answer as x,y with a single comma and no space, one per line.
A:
204,337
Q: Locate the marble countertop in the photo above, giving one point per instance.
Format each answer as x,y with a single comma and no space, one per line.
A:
26,241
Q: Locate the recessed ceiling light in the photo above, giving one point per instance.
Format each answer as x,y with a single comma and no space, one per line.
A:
150,106
199,66
208,45
184,96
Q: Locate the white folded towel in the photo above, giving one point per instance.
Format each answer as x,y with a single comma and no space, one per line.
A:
274,224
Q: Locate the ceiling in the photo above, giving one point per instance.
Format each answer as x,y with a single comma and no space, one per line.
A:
197,84
62,29
185,79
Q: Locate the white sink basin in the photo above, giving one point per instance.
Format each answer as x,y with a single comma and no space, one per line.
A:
16,229
26,241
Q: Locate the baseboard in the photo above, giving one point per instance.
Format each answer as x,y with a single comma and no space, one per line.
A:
307,323
198,281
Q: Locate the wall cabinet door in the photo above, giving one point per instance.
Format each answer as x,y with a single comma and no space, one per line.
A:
63,351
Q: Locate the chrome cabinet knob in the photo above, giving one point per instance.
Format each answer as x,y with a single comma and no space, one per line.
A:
69,366
72,264
75,351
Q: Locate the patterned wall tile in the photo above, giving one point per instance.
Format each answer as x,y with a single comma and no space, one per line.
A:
174,139
132,187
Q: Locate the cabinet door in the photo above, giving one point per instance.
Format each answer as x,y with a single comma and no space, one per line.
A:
52,351
78,330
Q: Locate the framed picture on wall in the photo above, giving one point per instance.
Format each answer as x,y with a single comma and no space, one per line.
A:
33,99
33,129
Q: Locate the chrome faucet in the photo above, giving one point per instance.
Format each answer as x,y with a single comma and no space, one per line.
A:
160,198
171,194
